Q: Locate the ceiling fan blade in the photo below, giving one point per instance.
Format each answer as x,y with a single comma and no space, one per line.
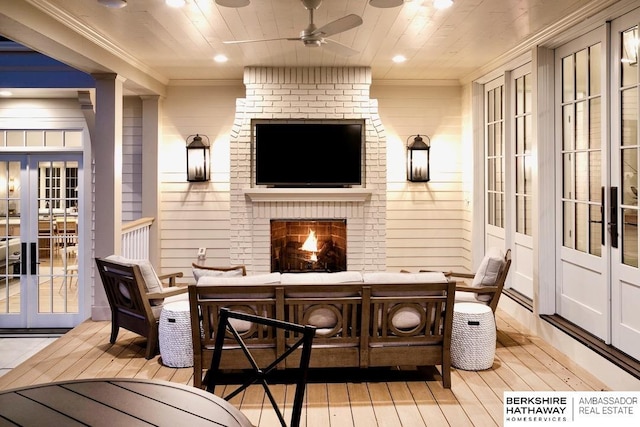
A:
338,48
232,3
260,40
386,3
339,25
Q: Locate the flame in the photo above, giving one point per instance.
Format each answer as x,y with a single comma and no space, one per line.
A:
311,245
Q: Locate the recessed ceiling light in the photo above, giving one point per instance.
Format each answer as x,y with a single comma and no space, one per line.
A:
113,4
442,4
398,59
175,3
220,58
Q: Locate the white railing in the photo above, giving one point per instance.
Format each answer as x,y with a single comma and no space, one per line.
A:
135,238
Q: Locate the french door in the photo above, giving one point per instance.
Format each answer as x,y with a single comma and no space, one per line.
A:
40,260
598,279
582,281
625,157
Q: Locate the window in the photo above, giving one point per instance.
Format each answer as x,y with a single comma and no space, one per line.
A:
581,151
523,137
495,156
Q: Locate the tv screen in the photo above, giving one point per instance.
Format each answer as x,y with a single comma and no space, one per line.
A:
308,154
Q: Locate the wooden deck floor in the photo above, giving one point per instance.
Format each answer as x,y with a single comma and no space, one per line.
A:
402,397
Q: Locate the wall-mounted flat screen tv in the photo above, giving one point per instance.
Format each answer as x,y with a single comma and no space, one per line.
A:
309,154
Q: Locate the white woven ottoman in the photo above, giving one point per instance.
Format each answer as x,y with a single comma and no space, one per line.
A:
473,339
174,332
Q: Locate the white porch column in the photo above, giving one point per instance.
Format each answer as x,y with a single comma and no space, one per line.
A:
107,154
151,125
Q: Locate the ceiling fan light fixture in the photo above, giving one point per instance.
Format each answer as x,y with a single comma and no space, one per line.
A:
312,43
384,4
232,3
113,4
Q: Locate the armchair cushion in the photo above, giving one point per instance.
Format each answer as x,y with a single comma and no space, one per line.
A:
151,281
202,270
488,271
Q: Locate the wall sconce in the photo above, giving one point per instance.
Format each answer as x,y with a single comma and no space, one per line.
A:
197,158
418,159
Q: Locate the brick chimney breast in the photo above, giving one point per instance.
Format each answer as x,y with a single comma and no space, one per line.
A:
331,94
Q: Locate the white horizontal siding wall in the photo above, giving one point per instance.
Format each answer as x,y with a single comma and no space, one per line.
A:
131,158
427,223
195,215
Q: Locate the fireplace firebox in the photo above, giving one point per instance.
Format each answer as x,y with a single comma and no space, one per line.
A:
308,245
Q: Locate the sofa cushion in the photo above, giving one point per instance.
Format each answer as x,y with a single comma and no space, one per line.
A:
321,277
488,271
252,279
203,270
387,278
324,318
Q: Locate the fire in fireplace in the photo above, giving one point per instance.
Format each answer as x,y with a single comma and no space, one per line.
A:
308,245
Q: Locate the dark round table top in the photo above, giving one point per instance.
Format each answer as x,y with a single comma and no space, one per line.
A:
116,402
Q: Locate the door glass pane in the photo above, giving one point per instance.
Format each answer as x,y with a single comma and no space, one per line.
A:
567,167
594,70
595,187
582,125
629,112
567,79
581,74
58,237
582,219
567,127
582,176
630,237
595,123
595,233
10,243
568,220
629,57
630,176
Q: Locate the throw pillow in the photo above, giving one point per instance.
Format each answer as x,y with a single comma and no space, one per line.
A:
202,270
488,271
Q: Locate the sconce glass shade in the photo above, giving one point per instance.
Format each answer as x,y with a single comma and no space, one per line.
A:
198,169
418,159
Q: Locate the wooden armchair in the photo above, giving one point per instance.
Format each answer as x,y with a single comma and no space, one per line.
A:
136,295
484,293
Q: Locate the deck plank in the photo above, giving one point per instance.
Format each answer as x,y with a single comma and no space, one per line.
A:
523,361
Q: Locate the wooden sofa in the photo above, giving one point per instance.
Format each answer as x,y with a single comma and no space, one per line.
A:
358,324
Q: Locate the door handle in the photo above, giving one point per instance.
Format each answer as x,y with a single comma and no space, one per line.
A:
34,262
23,258
602,236
613,216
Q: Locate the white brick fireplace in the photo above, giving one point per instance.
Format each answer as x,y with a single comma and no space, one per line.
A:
330,94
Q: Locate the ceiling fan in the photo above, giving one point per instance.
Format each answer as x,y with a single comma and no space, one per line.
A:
313,36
